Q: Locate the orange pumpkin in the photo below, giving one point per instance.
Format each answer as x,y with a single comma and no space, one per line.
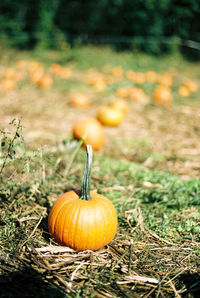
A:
165,79
34,66
82,219
100,85
9,73
151,76
162,95
7,84
183,91
122,92
65,73
55,69
131,75
91,132
36,75
137,94
191,85
121,105
21,64
80,100
46,81
110,116
117,71
139,78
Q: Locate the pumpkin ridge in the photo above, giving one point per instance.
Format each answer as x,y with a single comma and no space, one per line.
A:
52,215
96,223
76,223
65,219
57,217
103,212
109,214
87,213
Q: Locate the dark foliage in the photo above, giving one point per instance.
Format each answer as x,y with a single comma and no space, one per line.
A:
151,26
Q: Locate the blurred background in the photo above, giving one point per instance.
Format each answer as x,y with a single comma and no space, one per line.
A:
61,60
151,26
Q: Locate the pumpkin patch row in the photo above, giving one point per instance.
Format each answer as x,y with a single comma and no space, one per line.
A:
99,80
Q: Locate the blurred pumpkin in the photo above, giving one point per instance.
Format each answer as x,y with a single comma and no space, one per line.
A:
137,94
92,76
122,92
165,79
36,75
183,91
121,105
7,84
55,68
131,75
21,64
91,132
83,220
162,95
117,71
80,100
9,73
191,85
151,76
34,66
65,73
100,85
46,81
109,116
139,78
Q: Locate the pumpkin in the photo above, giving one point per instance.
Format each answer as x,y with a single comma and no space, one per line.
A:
65,73
36,75
80,100
120,104
46,81
34,66
55,69
162,95
109,116
183,91
9,73
131,75
21,64
165,79
100,85
83,220
191,85
122,92
151,76
117,71
137,94
139,78
91,132
7,84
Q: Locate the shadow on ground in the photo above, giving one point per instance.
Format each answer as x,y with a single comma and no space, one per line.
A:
192,283
27,283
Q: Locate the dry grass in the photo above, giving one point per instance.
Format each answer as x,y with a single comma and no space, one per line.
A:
138,263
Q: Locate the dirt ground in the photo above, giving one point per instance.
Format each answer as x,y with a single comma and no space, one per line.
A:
172,133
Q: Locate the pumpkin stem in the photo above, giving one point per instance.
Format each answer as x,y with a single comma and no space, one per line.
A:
85,187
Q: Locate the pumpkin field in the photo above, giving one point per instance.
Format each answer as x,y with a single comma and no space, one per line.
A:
141,115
